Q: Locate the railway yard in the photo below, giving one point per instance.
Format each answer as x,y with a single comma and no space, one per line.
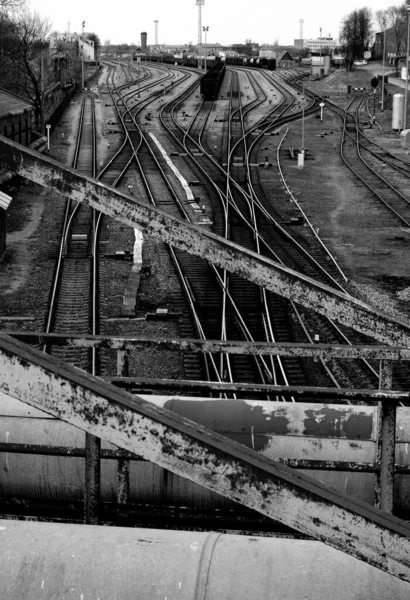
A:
324,197
271,172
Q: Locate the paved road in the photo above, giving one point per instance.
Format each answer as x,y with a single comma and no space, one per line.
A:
376,68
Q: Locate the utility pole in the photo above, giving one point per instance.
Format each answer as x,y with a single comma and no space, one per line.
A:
384,55
200,4
82,57
42,91
320,52
205,29
407,66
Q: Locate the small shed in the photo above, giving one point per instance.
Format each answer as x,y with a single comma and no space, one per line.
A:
4,204
16,117
320,66
283,59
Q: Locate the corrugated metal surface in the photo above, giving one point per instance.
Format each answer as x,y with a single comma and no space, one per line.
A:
5,201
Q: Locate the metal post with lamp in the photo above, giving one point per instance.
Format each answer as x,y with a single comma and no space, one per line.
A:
205,29
320,53
384,57
301,155
407,66
322,106
374,83
48,127
82,57
138,74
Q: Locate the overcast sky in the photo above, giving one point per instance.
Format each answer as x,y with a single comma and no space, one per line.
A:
263,21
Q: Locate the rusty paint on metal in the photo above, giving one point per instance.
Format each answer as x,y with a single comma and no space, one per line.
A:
386,443
123,482
220,252
129,343
300,392
92,483
206,458
123,466
241,421
331,422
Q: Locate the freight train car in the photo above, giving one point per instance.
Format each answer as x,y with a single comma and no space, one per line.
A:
256,62
338,436
212,81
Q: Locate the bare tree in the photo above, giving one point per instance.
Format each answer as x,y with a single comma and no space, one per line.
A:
11,6
355,34
97,43
394,18
29,58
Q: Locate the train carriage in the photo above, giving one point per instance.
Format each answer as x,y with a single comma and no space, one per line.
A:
212,81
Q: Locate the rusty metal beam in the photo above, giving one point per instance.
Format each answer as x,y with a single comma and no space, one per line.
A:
128,343
207,458
386,443
235,259
300,392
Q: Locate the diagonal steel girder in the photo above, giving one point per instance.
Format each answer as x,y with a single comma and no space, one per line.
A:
204,457
236,259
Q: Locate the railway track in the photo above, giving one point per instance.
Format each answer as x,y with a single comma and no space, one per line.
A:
222,306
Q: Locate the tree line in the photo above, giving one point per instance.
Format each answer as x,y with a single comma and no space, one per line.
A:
358,28
26,68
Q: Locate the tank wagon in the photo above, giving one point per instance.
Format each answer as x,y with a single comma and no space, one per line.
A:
52,473
258,63
192,61
181,61
212,81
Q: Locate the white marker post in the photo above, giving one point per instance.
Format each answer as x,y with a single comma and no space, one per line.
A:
322,105
48,127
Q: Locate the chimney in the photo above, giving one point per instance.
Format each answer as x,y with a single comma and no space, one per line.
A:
143,40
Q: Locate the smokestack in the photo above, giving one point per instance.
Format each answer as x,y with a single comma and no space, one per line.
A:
156,33
143,40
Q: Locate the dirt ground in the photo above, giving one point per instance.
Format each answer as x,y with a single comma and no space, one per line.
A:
371,255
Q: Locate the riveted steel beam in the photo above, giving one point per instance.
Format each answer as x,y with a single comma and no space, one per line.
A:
299,392
207,458
122,343
192,239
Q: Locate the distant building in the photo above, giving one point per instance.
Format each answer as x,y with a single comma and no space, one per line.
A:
16,117
282,57
322,43
208,49
250,49
391,43
73,44
171,49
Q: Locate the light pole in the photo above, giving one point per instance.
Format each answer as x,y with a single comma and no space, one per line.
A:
82,57
200,4
320,52
384,54
407,65
301,156
205,29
